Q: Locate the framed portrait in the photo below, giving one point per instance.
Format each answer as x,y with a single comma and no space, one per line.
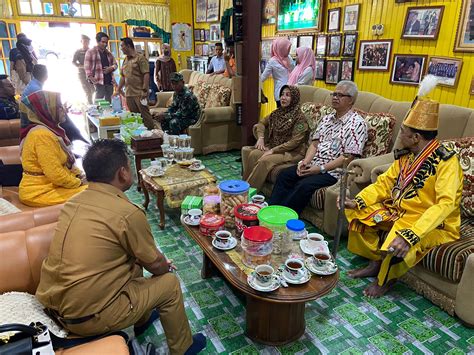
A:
321,45
422,22
350,41
334,49
306,41
266,46
301,15
205,49
333,69
198,49
197,34
351,17
320,68
215,32
263,64
465,33
334,19
269,12
294,45
212,49
447,69
408,69
201,10
212,10
182,37
347,69
207,35
375,55
202,35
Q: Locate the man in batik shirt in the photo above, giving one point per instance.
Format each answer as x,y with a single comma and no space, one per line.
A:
411,208
8,105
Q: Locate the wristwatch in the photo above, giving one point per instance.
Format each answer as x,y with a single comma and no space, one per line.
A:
322,169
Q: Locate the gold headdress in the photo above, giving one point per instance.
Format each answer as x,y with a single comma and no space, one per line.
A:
423,114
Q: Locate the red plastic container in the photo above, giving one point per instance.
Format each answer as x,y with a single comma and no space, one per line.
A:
246,216
256,243
211,223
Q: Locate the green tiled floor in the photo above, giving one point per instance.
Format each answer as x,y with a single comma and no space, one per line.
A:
343,322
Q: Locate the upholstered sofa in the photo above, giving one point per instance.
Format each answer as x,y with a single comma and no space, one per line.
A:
216,129
9,132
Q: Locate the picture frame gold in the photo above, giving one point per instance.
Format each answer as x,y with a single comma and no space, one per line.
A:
465,17
444,68
422,22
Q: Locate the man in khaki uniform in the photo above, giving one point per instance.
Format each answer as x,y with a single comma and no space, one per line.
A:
135,77
92,280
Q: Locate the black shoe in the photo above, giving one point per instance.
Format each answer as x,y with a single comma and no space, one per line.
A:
199,343
139,330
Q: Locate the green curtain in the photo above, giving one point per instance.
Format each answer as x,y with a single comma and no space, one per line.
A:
226,20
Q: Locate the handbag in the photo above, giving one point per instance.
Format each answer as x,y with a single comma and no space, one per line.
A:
27,340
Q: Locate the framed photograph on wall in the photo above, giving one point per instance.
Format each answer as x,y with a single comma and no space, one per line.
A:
347,69
198,49
301,15
465,33
334,45
212,10
266,46
197,34
333,71
201,10
203,35
320,68
408,69
269,12
215,32
205,49
350,41
351,17
212,49
321,45
334,19
375,55
422,22
306,41
447,69
207,35
294,45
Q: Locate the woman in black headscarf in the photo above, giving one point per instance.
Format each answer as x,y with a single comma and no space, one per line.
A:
22,59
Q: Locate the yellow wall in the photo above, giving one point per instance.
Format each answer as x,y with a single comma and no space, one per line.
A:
392,15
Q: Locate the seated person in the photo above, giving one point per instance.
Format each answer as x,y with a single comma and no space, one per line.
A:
285,141
8,105
184,110
344,132
229,58
92,279
415,203
49,174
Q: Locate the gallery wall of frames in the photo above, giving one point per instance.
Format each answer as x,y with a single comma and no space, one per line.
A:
416,38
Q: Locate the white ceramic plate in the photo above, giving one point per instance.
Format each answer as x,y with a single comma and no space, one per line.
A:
201,167
187,220
305,277
328,270
232,244
153,173
312,246
251,280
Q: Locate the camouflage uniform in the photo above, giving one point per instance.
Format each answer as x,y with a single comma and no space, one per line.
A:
183,112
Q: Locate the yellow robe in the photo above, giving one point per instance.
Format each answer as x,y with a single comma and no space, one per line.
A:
426,213
52,183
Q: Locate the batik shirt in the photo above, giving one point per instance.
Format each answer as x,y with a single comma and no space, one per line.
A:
185,106
8,109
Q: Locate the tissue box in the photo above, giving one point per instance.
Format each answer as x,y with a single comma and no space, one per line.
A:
252,193
146,143
189,203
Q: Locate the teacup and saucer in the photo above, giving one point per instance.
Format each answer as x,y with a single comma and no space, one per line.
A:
193,217
196,165
321,263
264,279
295,272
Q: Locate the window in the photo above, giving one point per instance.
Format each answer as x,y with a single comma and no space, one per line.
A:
73,8
8,31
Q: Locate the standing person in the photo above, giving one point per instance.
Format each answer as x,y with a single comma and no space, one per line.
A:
164,66
229,57
279,66
22,59
135,77
305,70
78,61
8,105
217,64
99,65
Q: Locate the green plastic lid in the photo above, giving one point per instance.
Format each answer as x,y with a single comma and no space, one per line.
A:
276,215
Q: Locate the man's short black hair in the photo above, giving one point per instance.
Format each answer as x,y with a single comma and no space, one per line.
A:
103,159
219,44
40,72
427,135
128,42
99,36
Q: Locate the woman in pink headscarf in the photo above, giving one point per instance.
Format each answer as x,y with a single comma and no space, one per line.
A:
164,66
305,70
279,66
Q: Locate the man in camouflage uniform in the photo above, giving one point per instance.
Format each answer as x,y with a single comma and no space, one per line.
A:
184,110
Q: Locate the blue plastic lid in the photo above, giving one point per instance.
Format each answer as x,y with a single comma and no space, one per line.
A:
295,225
234,186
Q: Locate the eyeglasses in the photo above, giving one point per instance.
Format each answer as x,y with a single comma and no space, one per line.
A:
339,95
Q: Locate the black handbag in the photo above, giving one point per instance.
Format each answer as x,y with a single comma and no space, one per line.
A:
25,340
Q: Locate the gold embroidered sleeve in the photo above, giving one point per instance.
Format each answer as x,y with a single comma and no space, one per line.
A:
408,235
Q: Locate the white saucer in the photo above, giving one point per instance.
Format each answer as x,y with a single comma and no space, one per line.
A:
186,219
328,270
201,167
232,244
312,246
305,277
150,172
251,280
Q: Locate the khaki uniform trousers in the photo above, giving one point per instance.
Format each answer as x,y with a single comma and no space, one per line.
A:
134,105
256,170
134,305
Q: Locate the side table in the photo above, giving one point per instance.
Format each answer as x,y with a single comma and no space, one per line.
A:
139,155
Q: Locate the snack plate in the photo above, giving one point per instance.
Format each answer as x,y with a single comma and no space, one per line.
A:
152,172
201,167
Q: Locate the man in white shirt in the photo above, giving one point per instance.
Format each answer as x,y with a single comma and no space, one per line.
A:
217,64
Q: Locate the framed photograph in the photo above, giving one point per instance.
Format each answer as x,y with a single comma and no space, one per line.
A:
215,32
201,9
266,46
333,69
447,69
294,45
334,19
269,12
350,41
207,35
212,10
202,35
198,49
306,41
301,15
263,64
197,35
375,55
182,37
334,45
321,45
422,22
408,69
212,49
351,17
465,33
347,69
320,68
205,49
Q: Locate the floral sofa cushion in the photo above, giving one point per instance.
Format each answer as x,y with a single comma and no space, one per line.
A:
202,90
219,96
379,130
311,112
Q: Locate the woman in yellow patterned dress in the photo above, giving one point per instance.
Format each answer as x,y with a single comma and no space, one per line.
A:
49,174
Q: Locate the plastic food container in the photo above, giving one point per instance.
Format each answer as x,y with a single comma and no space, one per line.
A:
233,193
256,243
275,218
211,204
295,229
211,223
246,216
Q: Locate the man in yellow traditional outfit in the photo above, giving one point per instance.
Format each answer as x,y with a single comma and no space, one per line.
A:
415,204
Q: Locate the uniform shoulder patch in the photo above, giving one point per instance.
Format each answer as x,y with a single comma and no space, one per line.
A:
444,152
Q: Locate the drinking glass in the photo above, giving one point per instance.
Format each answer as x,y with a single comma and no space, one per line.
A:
187,142
179,153
173,141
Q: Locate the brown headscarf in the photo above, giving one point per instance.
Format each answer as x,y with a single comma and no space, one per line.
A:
283,119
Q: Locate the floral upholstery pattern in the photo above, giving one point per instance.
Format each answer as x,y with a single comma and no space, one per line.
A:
219,96
311,112
202,90
379,131
170,101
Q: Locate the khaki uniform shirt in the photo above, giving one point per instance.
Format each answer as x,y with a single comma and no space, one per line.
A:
99,238
133,70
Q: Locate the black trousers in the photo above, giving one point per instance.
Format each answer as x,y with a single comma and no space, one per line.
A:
294,191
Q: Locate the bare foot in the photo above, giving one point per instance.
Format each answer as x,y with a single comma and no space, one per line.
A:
376,291
371,270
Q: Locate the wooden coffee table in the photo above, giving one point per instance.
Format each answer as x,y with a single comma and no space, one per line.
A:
273,318
149,186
